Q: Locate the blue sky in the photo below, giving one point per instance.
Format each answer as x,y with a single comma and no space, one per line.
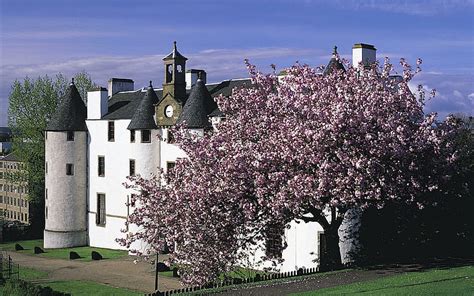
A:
122,38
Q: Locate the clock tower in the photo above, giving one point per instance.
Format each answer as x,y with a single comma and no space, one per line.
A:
174,89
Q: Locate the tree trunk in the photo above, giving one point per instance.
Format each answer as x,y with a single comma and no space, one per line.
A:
331,254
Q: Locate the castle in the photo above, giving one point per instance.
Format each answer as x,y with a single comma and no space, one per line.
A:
91,150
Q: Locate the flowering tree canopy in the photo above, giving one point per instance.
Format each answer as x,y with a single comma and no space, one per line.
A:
303,146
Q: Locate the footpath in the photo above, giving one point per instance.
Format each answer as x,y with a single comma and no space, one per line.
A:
121,273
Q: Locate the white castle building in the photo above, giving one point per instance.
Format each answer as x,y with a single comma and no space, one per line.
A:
91,150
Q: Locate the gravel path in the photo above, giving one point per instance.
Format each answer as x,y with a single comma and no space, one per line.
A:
121,273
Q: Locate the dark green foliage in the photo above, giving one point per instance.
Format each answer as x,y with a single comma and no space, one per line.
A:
401,232
24,288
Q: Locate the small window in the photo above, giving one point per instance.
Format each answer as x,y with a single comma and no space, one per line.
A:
274,241
170,137
46,212
101,166
131,167
70,136
111,131
46,167
132,136
170,166
1,198
100,215
46,193
146,136
69,169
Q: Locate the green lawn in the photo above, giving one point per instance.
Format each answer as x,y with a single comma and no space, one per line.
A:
84,252
86,288
28,274
453,281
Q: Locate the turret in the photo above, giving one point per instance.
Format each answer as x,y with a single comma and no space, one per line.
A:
198,107
334,63
66,174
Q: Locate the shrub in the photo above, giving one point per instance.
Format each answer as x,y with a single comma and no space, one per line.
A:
24,288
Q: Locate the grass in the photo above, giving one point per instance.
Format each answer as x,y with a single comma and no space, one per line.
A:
84,252
86,288
29,274
453,281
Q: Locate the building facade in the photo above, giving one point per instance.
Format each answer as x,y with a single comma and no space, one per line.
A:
91,150
14,205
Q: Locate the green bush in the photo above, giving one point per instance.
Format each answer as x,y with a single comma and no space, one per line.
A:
23,288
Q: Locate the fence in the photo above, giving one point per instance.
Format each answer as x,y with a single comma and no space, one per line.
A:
8,269
238,281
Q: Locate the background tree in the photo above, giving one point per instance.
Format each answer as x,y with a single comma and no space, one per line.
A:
306,147
32,103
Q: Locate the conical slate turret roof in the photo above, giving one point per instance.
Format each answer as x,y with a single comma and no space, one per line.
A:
143,116
174,54
198,106
334,63
71,113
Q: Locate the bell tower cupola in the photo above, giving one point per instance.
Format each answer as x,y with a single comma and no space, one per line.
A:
175,78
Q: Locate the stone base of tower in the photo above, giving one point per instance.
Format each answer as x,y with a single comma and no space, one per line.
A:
64,239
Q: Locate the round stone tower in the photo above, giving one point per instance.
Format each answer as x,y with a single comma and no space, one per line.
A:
66,174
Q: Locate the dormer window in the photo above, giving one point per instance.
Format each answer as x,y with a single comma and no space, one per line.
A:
132,136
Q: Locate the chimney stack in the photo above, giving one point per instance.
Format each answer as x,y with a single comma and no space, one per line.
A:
193,75
97,103
119,84
365,53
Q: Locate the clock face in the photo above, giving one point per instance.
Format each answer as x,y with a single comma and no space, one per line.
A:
169,111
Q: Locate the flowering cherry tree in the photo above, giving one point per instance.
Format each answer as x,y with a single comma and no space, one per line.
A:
304,146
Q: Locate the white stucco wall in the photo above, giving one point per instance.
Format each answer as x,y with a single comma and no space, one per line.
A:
302,249
169,152
117,156
66,224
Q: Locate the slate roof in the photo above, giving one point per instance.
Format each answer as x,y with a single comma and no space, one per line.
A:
122,105
5,132
71,113
334,63
143,115
197,108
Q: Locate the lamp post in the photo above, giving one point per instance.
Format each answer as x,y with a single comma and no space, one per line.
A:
156,272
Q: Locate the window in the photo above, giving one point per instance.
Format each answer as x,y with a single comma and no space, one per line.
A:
111,131
132,136
1,175
131,167
1,198
100,215
146,136
169,166
170,137
46,167
46,193
70,136
101,166
46,212
274,241
69,169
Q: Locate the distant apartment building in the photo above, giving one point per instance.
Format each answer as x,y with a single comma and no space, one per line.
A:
13,190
